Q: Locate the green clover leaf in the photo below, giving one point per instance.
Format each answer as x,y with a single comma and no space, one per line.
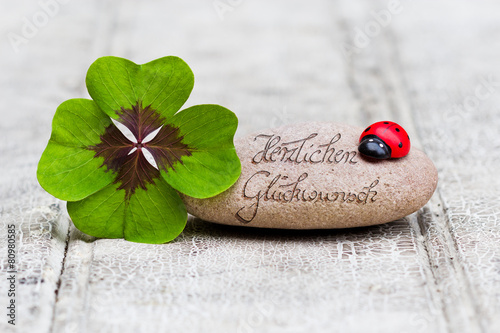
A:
111,188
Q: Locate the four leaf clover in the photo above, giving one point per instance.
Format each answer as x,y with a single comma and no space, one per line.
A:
112,190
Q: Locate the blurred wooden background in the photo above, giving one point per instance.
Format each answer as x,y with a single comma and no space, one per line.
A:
432,66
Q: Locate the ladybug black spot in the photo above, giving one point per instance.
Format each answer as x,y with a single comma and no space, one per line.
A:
366,130
386,122
397,129
400,145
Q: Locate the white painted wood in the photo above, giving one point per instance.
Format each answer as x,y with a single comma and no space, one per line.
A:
457,117
272,63
48,68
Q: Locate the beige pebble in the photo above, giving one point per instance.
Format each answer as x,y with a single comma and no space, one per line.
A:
311,176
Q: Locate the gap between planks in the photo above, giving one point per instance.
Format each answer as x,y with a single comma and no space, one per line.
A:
441,220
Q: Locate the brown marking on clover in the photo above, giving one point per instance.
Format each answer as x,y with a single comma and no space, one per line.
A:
132,168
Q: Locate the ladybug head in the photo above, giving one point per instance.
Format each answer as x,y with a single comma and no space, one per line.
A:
373,146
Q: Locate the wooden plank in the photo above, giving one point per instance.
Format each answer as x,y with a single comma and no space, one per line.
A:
456,111
40,244
436,103
48,68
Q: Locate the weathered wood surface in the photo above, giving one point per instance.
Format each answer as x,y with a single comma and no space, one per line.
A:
432,66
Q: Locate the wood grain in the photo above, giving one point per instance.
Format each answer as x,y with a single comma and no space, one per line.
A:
431,66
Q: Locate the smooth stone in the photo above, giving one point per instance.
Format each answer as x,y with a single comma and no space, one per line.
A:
311,176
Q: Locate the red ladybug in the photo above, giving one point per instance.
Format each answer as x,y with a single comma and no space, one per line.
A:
384,139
